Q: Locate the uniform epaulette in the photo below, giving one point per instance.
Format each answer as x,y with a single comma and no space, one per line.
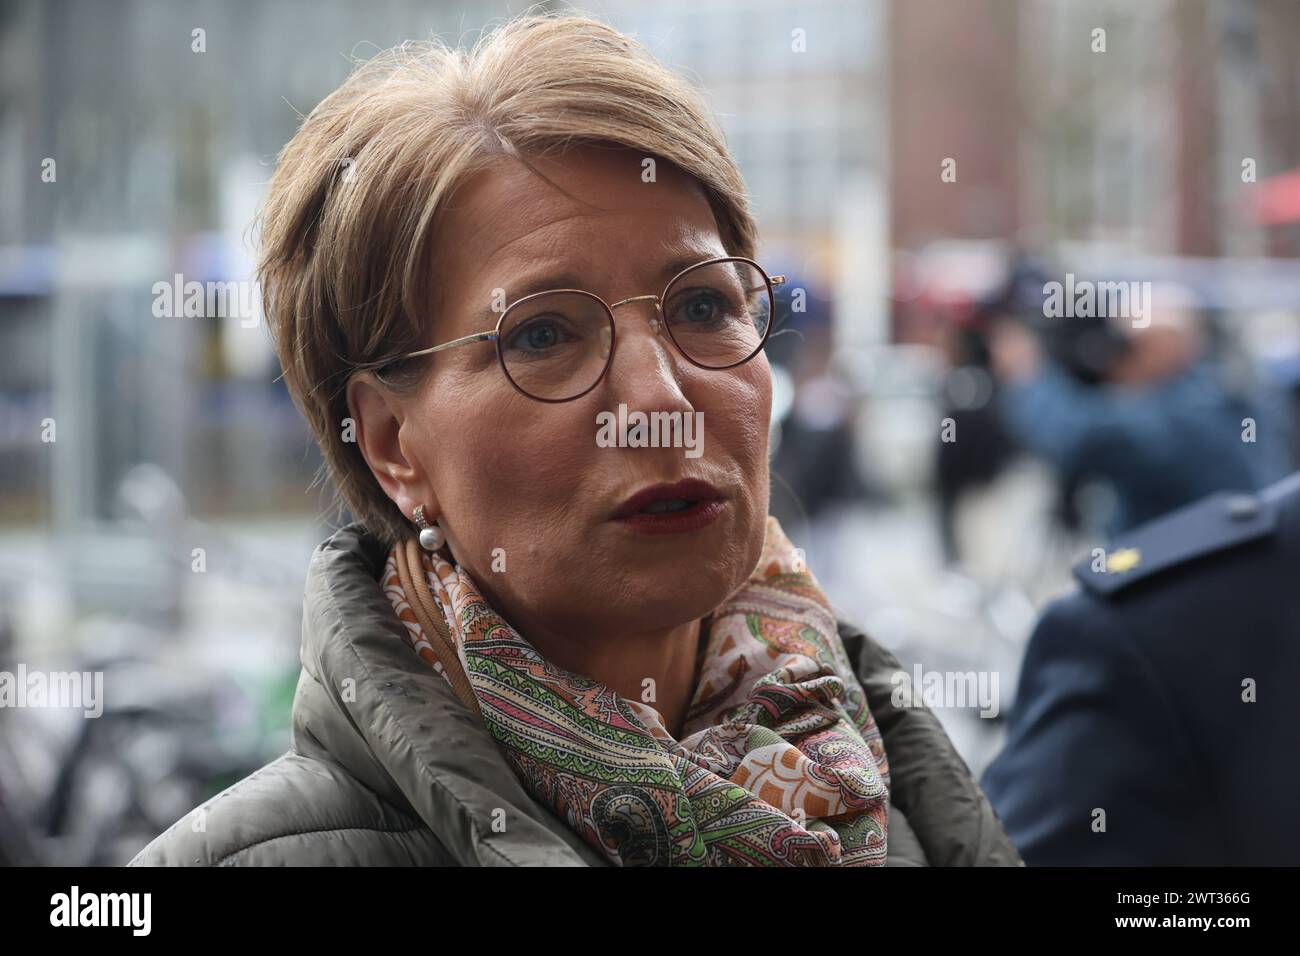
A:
1221,521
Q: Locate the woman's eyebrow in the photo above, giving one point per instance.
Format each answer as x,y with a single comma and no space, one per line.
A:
682,253
516,291
682,258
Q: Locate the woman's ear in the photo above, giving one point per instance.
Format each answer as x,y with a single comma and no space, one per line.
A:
379,415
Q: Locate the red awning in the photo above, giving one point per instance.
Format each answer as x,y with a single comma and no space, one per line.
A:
1276,200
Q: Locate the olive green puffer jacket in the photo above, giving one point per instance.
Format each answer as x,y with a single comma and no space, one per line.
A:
387,767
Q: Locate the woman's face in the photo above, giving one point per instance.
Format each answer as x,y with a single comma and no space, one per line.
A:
526,494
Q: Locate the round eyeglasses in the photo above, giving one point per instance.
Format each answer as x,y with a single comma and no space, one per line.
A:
557,345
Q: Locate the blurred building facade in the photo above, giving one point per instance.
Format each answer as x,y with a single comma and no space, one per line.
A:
1125,127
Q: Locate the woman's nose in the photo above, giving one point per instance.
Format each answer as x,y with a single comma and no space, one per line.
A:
646,369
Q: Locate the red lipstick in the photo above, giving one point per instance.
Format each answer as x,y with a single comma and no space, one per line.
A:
672,509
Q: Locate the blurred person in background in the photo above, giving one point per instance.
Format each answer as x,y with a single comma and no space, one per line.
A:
1143,409
969,401
1155,720
532,648
814,461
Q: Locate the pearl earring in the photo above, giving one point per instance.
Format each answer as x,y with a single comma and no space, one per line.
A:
431,538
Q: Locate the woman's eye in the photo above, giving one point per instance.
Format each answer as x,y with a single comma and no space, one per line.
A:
537,335
702,308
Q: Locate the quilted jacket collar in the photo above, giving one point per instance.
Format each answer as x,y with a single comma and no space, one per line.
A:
393,723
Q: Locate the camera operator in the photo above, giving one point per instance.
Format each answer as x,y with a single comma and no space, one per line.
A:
1141,408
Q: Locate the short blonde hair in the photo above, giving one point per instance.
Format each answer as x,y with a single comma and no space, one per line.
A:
353,205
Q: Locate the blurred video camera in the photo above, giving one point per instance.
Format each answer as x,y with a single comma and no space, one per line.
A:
1085,346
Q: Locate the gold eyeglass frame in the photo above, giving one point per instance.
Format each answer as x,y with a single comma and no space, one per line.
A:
494,335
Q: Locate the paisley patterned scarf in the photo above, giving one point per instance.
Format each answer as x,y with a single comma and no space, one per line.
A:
780,763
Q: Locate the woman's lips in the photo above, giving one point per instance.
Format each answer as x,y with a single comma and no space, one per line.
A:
675,522
672,508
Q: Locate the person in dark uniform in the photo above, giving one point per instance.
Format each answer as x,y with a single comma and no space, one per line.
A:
1157,720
